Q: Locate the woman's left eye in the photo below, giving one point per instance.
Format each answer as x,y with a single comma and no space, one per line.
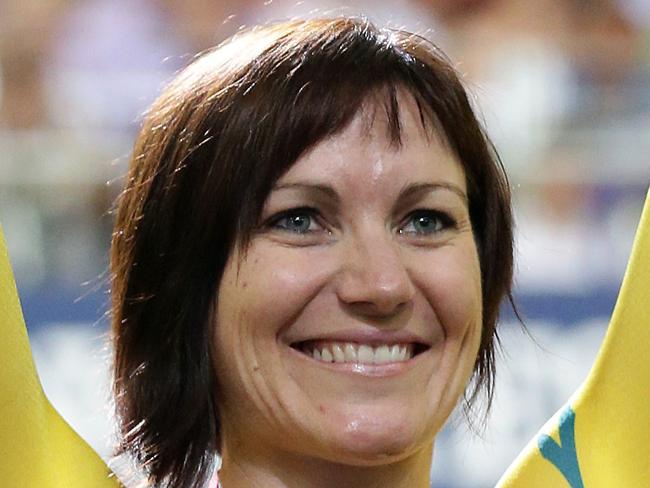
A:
426,222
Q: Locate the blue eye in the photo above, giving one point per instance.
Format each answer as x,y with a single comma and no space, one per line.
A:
297,221
426,222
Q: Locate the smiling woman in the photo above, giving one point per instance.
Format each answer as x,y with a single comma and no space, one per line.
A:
354,315
308,261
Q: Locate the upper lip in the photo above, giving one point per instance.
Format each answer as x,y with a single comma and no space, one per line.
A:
372,337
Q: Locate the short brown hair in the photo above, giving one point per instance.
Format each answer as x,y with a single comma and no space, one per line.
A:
208,154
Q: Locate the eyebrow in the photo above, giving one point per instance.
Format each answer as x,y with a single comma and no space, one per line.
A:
417,189
409,191
325,190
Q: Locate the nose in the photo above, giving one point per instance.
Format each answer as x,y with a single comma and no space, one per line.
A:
373,279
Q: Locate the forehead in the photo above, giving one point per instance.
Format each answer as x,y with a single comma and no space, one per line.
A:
382,144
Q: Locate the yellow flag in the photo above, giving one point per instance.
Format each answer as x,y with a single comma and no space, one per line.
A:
37,447
601,437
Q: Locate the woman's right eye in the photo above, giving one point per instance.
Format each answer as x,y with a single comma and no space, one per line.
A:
298,221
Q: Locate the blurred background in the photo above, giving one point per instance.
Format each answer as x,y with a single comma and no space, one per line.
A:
562,85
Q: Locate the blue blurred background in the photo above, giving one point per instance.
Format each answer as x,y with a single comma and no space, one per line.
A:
562,85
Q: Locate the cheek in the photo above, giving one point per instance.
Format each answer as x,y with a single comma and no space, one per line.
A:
257,301
261,297
452,286
270,288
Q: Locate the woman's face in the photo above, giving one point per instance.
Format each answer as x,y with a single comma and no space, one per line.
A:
350,327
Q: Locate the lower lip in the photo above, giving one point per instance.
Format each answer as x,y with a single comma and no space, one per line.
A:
369,370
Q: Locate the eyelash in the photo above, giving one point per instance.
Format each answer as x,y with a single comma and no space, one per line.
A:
445,221
309,212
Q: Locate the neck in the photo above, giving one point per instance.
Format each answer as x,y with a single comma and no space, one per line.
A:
284,470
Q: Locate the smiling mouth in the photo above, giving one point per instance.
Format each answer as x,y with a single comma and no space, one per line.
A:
356,353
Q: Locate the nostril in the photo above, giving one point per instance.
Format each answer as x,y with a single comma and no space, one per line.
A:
375,281
378,309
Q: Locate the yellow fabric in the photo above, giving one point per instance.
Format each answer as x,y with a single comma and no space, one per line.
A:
37,447
612,407
610,411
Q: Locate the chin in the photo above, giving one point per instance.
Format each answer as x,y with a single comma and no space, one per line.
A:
367,440
374,450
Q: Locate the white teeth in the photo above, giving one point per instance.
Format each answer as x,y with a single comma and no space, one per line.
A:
339,357
382,355
350,352
326,355
365,354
